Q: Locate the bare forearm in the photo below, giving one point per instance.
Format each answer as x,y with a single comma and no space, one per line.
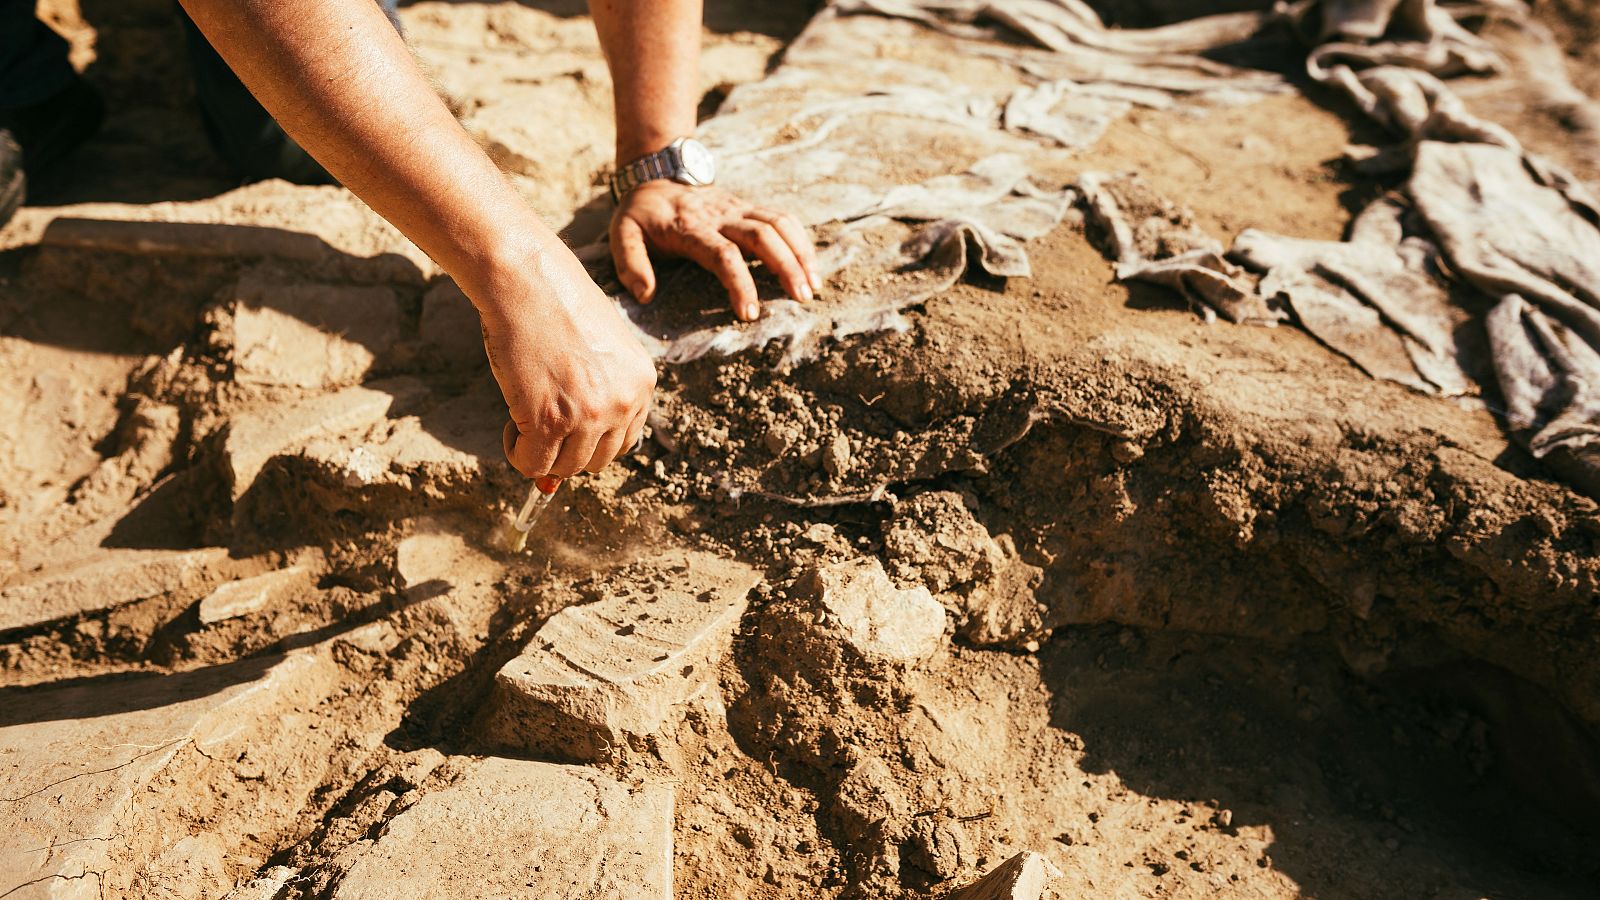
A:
653,50
341,82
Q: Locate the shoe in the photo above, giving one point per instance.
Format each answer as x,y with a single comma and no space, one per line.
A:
13,183
50,129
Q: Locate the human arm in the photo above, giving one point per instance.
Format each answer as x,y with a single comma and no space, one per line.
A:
653,48
341,82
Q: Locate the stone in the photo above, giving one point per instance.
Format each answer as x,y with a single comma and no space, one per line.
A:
938,846
427,559
867,795
299,334
836,456
855,604
1026,876
600,673
266,886
517,828
96,775
253,594
257,435
441,453
935,538
108,579
449,329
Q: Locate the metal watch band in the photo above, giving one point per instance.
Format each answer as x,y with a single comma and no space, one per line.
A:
684,160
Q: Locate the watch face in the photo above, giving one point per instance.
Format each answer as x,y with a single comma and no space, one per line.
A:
698,163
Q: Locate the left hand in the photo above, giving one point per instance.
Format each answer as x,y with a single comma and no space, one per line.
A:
716,230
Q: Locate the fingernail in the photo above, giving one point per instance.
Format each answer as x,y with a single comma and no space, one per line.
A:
752,312
806,293
816,283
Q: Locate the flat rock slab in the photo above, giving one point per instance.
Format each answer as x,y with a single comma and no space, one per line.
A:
624,666
515,828
108,579
256,436
248,595
82,768
294,334
855,604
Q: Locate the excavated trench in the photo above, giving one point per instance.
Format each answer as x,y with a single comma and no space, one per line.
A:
1222,615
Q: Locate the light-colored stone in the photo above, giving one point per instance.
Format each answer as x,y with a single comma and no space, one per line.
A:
248,595
515,828
87,802
298,334
108,579
856,604
258,435
267,886
1026,876
449,328
428,557
441,452
596,674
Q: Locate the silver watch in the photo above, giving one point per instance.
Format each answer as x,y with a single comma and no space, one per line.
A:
685,160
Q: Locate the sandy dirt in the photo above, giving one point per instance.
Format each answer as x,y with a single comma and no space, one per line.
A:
1229,617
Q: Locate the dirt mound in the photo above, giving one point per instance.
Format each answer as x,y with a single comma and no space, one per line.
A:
1182,609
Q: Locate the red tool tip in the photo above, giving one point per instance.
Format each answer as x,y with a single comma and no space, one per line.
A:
547,484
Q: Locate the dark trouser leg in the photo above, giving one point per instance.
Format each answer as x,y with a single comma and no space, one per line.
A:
241,131
33,59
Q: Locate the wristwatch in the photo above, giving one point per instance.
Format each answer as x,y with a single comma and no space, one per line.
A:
685,160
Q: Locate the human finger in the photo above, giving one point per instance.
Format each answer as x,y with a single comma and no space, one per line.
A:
527,453
576,451
723,259
609,448
797,236
636,431
763,241
632,258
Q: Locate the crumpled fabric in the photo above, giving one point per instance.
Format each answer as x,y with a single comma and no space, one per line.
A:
916,242
1156,241
851,134
1504,222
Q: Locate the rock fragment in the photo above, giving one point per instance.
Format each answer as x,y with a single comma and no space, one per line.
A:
108,579
258,435
298,334
836,455
938,846
449,329
515,828
87,770
253,594
855,606
598,674
1026,876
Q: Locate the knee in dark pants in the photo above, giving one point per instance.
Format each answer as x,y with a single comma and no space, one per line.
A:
242,132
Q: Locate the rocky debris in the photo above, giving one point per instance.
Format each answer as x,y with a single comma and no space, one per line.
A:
1026,876
108,579
516,828
621,668
938,846
257,435
96,776
935,537
836,455
852,610
440,455
253,594
869,795
298,334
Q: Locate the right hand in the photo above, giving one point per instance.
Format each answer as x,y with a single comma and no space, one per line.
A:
575,378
